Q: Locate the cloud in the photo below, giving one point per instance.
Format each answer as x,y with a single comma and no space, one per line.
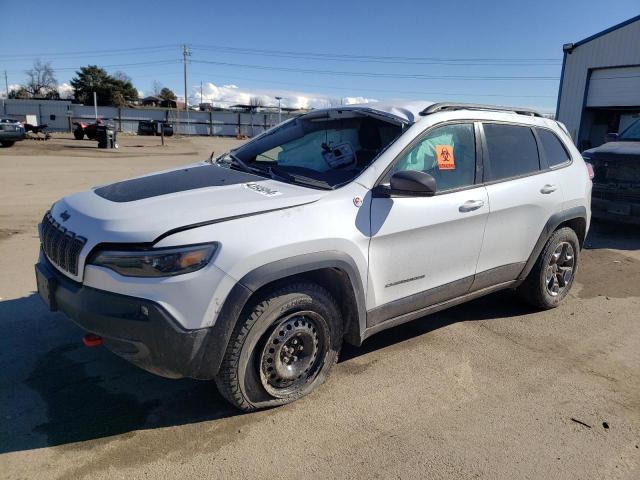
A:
65,90
226,95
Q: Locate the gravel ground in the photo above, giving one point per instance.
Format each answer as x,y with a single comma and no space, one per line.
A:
490,389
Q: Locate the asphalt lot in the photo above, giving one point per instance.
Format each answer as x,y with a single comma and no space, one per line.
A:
490,389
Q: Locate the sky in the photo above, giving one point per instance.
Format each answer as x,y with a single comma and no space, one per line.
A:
313,54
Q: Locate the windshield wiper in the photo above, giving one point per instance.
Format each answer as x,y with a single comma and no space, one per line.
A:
235,161
241,164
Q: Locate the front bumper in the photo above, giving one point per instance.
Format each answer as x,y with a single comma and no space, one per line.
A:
11,136
139,330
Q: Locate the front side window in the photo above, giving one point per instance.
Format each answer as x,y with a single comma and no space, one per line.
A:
448,153
554,151
512,151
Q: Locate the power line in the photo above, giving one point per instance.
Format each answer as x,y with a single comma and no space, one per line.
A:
417,76
382,59
109,52
115,65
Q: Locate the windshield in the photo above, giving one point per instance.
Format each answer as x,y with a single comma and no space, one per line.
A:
632,132
322,152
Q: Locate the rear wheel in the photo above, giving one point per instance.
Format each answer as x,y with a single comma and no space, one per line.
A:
283,349
552,275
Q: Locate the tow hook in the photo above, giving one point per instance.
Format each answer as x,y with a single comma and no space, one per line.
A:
92,340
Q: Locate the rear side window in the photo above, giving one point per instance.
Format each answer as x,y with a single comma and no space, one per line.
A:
512,151
554,151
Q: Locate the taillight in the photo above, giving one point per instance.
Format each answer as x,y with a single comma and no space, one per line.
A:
590,170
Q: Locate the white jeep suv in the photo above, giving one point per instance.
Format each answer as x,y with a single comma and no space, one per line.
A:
252,269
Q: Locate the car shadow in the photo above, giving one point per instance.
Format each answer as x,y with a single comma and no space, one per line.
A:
503,304
55,391
619,236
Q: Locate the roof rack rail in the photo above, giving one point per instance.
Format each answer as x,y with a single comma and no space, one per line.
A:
448,106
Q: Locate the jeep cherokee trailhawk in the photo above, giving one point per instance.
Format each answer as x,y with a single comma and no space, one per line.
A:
253,268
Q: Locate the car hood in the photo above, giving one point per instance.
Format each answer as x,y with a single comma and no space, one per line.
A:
614,151
145,208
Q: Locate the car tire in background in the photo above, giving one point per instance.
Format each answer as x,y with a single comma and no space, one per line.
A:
7,143
553,273
282,348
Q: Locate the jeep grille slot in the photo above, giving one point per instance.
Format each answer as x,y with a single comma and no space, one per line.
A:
61,246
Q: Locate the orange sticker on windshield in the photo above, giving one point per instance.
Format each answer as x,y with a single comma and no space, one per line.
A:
444,155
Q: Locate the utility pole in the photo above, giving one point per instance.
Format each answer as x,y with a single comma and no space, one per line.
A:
201,91
6,83
185,54
279,110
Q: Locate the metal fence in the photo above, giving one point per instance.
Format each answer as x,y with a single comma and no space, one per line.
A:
60,115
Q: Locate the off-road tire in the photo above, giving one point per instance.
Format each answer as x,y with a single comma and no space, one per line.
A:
78,134
534,289
239,378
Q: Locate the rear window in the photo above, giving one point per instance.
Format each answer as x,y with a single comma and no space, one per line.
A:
512,151
554,151
632,132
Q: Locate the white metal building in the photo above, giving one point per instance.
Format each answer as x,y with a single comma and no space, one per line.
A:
600,83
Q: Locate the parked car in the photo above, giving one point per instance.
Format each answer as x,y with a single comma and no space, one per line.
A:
11,131
90,130
616,182
152,127
254,268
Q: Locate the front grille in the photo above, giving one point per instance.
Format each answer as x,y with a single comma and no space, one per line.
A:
61,246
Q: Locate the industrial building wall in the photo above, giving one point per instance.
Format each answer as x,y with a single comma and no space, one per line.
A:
60,115
619,47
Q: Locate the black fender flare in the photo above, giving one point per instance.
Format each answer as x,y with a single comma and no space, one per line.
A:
219,335
552,224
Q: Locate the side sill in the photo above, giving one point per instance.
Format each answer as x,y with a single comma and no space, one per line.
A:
407,317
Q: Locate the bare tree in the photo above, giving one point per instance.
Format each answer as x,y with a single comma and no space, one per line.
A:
256,102
157,88
123,77
41,81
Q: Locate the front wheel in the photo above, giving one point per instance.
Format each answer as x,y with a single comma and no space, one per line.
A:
78,134
282,349
552,275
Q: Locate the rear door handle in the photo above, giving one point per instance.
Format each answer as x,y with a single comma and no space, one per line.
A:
548,188
471,205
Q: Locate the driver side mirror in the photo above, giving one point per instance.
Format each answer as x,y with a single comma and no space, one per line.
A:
408,183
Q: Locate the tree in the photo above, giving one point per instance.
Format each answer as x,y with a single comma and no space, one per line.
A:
109,89
123,77
167,94
41,81
256,102
20,93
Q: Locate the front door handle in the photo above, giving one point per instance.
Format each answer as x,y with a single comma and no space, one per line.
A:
471,205
548,188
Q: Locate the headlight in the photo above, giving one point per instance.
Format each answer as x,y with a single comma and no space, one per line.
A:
159,262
